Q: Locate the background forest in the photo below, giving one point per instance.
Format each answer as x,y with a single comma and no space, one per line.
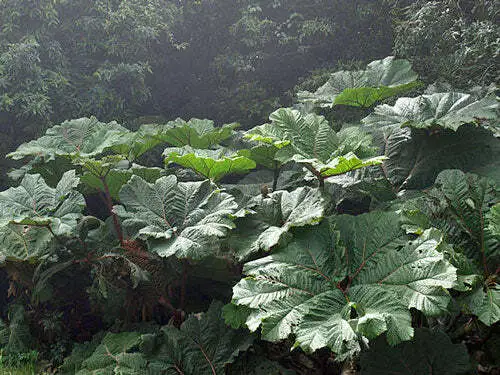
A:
372,159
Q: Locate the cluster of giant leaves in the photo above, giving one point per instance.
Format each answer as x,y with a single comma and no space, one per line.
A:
345,281
308,139
104,151
203,345
466,208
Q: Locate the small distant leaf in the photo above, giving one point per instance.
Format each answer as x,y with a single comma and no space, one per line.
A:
340,165
211,164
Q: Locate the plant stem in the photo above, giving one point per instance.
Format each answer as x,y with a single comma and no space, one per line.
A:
276,175
109,203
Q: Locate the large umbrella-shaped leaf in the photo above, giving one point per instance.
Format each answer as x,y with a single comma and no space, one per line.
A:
203,345
33,213
484,302
363,88
84,137
309,140
415,158
116,354
309,135
183,219
33,202
330,294
428,354
195,133
211,164
115,178
23,243
271,217
447,110
459,204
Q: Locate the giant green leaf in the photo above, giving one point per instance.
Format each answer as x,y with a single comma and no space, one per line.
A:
309,139
33,202
186,219
115,178
447,110
331,294
271,217
203,345
428,354
24,243
84,137
309,135
460,204
363,88
484,302
211,164
116,354
195,133
415,158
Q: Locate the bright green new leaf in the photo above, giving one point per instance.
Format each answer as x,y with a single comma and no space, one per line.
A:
211,164
340,164
186,219
363,88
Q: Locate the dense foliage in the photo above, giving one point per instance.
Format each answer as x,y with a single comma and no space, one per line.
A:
121,60
309,244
